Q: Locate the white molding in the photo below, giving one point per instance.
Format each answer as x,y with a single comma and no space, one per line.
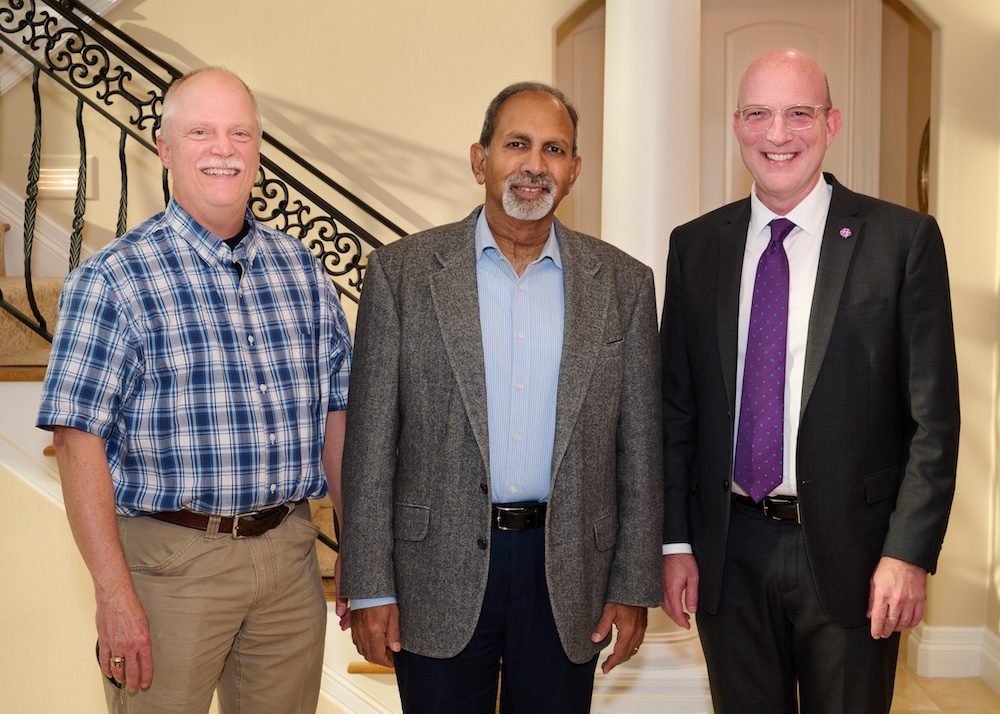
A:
22,444
989,660
14,68
865,93
51,243
950,651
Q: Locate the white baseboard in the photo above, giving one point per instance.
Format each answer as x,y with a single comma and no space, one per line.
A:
949,651
989,661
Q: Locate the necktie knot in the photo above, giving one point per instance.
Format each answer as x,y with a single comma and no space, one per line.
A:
780,228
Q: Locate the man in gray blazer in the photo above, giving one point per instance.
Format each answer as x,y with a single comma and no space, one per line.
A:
502,475
804,548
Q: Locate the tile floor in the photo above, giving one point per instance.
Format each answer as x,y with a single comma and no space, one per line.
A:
965,695
913,694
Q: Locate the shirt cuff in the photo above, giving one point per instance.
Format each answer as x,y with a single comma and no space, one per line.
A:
361,603
675,548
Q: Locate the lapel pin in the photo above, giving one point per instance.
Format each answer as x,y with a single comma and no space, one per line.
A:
845,232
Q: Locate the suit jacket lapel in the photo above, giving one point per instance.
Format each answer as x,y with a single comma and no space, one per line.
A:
586,300
455,293
834,261
732,243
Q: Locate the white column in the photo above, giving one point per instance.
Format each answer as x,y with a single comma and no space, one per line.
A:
652,107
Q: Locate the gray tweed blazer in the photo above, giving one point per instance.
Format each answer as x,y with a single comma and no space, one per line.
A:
416,480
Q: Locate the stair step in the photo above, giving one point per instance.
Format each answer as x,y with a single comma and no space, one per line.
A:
20,347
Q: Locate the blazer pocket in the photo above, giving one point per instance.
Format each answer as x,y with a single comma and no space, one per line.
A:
867,307
606,532
410,521
882,484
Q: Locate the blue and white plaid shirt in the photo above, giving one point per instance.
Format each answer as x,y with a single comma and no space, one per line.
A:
212,390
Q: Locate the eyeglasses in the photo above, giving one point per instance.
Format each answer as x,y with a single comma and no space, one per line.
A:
798,117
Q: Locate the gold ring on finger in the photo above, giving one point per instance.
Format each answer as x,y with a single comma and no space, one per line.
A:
117,662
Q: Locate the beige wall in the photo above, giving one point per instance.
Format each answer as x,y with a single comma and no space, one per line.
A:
965,184
46,608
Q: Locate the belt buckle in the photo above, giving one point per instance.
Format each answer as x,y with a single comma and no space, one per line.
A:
511,512
780,501
499,523
236,523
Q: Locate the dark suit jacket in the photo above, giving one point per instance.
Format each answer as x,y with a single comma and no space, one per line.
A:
878,431
416,481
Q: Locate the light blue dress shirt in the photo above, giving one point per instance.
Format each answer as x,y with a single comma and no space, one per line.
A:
521,318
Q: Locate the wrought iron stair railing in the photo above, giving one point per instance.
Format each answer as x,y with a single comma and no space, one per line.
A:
113,76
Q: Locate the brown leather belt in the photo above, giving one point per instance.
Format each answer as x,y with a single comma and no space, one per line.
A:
518,518
777,508
243,525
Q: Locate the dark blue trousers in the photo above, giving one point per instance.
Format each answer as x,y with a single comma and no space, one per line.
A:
516,635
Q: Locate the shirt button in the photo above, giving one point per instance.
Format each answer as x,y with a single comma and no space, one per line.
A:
273,438
520,287
274,487
481,543
517,437
520,387
263,387
250,339
520,335
512,489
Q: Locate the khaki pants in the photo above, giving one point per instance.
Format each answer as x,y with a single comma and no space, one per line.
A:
246,616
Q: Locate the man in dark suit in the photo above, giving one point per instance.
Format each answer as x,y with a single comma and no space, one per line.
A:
811,414
502,481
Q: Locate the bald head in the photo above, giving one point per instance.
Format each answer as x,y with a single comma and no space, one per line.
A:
180,85
786,59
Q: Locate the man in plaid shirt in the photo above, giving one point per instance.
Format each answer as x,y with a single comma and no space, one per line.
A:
196,389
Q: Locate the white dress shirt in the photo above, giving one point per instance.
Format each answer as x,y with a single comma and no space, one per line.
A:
802,246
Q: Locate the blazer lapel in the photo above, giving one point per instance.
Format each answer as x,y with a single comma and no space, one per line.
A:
455,294
586,301
732,243
843,230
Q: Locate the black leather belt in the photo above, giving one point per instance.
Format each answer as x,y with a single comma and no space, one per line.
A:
518,518
243,525
777,508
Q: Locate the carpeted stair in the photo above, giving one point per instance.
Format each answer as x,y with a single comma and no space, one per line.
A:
22,351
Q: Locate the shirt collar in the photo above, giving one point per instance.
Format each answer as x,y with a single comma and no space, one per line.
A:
206,244
485,241
809,214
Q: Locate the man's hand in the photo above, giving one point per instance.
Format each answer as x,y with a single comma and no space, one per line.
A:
896,597
375,631
631,623
88,493
123,631
680,585
343,607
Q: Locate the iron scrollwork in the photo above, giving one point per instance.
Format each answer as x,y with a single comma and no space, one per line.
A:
338,249
110,73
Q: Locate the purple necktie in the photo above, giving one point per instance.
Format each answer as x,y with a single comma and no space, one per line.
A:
761,438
